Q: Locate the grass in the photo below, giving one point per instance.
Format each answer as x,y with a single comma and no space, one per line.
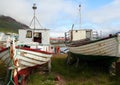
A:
63,74
2,71
72,75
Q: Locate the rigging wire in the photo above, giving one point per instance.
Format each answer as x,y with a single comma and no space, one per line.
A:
35,18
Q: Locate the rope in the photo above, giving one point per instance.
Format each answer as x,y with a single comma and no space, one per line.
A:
11,80
13,67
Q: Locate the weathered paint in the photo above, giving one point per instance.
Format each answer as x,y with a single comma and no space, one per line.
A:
107,47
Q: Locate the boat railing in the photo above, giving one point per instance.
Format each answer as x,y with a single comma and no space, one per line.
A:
32,44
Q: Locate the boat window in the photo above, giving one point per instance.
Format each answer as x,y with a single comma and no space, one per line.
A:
29,34
76,30
37,37
36,34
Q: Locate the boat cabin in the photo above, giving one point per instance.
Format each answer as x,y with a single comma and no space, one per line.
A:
74,35
41,36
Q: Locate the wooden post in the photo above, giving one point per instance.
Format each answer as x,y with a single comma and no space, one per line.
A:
112,69
71,58
68,58
115,68
118,38
77,63
49,66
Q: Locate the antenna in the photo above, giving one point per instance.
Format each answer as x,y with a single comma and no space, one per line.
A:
34,6
80,15
34,17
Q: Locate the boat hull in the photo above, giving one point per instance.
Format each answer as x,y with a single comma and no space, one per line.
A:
107,47
21,61
105,51
92,58
30,57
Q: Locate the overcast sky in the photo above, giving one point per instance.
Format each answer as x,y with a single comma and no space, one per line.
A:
59,15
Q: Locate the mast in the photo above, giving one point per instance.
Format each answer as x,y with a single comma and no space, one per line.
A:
34,8
34,19
72,32
80,16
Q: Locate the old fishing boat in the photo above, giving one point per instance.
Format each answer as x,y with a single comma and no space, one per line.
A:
31,51
86,48
27,57
83,44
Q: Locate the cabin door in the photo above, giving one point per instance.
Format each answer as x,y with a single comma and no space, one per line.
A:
37,37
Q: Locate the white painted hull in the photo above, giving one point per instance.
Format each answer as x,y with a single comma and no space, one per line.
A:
29,58
26,58
22,60
107,47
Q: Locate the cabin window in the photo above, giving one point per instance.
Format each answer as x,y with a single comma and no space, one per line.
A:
29,34
37,37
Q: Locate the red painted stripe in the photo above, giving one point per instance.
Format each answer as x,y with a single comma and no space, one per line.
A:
24,72
35,50
27,70
15,78
4,49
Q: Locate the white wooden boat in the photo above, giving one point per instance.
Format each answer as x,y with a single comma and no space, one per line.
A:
30,57
101,49
31,51
21,60
26,59
104,47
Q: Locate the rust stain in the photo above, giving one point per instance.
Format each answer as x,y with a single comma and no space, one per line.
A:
11,52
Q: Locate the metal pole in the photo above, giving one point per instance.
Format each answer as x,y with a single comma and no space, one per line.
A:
34,8
34,19
80,16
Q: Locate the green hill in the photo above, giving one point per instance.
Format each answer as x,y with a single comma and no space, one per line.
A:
8,24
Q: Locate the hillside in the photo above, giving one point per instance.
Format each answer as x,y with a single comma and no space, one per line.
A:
8,24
